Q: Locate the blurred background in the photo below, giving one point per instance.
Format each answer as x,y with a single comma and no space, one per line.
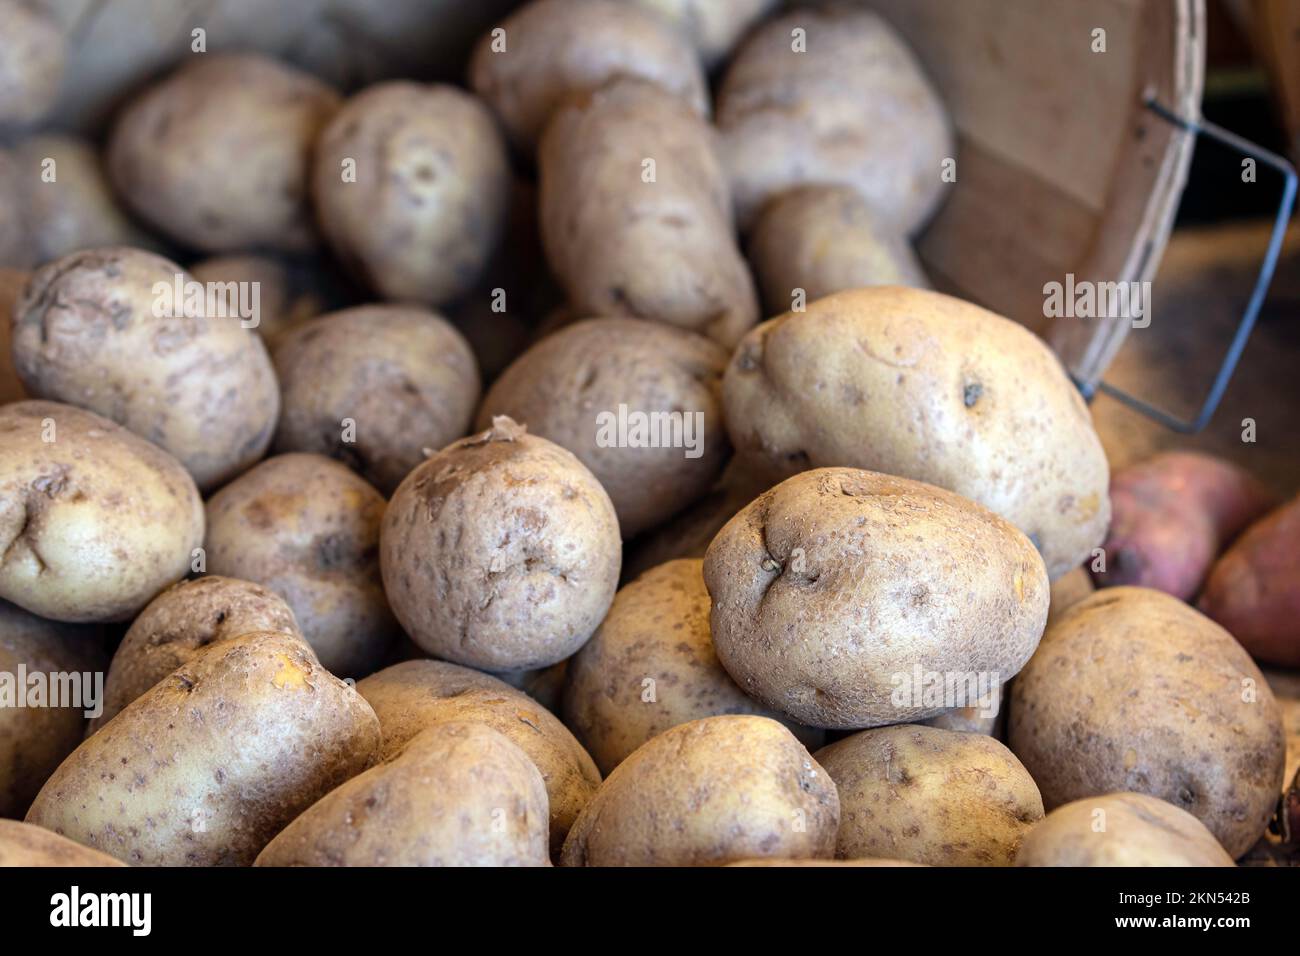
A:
1252,87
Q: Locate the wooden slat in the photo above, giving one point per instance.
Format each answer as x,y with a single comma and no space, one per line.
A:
1062,169
1002,234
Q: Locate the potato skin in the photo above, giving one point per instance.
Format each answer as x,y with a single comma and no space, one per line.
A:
544,685
404,376
1171,515
217,154
831,587
1132,690
307,528
657,629
555,48
709,792
500,552
1067,591
415,695
457,794
429,201
24,844
34,740
181,622
925,386
78,213
792,118
1137,830
927,795
825,239
620,245
714,26
562,385
241,739
31,62
86,333
94,523
1252,590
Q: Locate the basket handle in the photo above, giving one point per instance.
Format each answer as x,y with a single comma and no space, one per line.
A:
1203,127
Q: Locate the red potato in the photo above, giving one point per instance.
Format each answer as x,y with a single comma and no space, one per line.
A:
1254,589
1171,515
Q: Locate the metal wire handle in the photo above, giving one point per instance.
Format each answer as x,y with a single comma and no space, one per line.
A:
1203,127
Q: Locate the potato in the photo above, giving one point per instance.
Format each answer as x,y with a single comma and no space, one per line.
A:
348,42
930,796
1067,591
104,330
415,695
287,293
11,289
217,154
25,845
1121,829
549,49
42,718
77,210
1132,690
457,794
636,213
211,763
1254,589
840,593
651,666
307,528
1171,515
179,623
842,103
544,685
714,26
638,403
31,61
375,387
94,521
709,792
925,386
500,552
817,240
426,201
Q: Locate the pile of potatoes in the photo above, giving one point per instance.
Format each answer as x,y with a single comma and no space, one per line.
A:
575,467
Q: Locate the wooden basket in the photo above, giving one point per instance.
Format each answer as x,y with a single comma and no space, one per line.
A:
1061,167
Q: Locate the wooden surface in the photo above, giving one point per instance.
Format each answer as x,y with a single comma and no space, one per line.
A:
1061,169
